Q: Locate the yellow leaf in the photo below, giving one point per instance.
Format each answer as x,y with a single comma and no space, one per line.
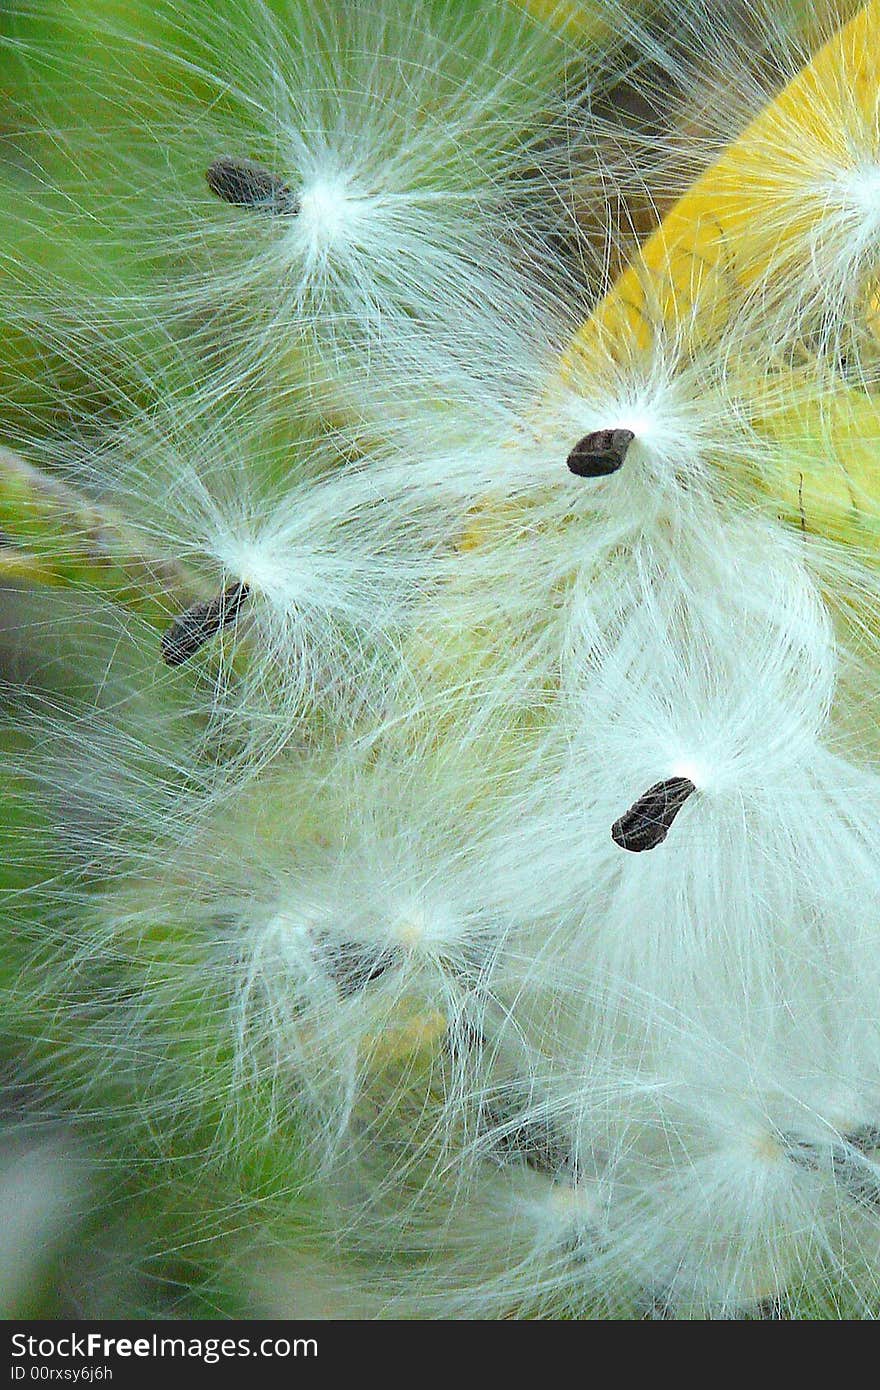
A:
751,214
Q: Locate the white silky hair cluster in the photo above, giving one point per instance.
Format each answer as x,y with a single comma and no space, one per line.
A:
489,845
812,184
308,186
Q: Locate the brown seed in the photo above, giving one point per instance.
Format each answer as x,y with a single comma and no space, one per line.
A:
535,1144
534,1141
866,1138
599,453
353,965
846,1163
647,822
246,184
192,629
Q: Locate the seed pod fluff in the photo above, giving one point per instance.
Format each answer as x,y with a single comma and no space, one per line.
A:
439,654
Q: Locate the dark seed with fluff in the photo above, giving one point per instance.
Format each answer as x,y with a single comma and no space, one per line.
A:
192,629
353,965
647,822
600,453
246,184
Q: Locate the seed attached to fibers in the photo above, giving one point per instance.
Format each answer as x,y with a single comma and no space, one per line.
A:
352,965
600,453
847,1163
647,822
536,1145
245,184
192,629
866,1138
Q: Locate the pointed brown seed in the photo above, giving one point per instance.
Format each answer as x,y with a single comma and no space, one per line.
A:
245,184
600,453
538,1147
846,1166
866,1138
353,966
192,629
770,1309
535,1142
647,822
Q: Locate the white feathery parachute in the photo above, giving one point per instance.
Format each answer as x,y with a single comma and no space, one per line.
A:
439,652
